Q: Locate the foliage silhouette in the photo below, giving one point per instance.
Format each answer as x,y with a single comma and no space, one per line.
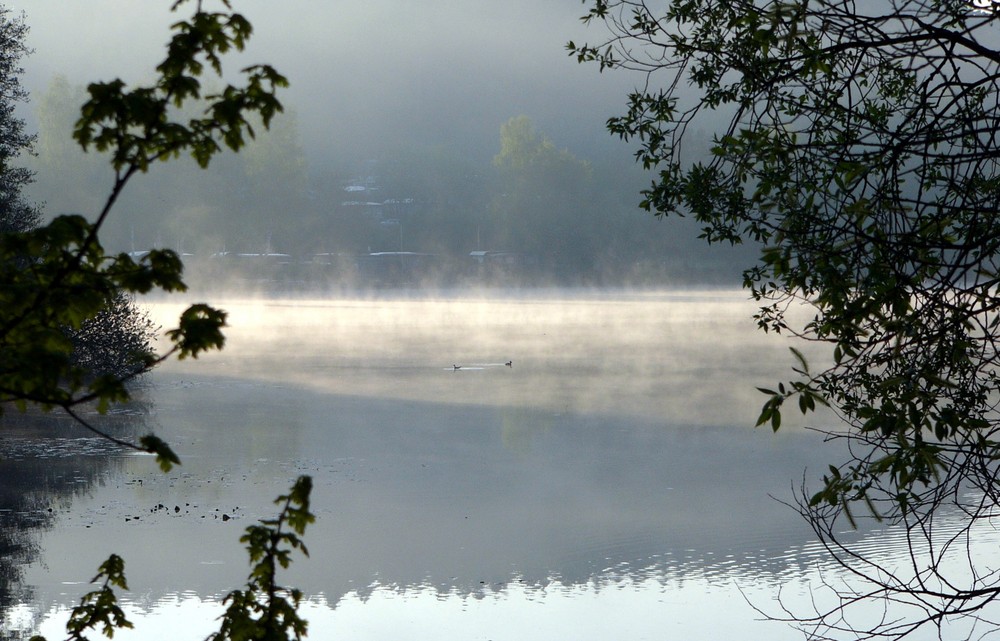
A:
264,611
856,144
68,277
57,281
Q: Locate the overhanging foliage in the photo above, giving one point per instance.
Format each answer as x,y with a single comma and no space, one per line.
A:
857,143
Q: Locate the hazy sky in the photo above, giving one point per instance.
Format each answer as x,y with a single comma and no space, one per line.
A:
377,73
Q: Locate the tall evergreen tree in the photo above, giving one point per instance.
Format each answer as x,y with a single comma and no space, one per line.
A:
16,214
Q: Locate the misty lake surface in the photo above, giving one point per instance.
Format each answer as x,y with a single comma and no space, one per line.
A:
607,484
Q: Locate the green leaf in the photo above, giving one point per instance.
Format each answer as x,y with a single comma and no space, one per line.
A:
165,456
800,358
200,330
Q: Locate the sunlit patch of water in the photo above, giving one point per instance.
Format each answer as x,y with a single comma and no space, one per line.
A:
668,355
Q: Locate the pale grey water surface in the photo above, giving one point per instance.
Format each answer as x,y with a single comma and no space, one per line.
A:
607,484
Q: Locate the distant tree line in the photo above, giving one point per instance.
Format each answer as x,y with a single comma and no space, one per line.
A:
563,217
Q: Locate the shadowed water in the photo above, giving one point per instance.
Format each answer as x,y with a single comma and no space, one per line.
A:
605,484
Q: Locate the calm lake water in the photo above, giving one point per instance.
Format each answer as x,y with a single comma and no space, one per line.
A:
606,485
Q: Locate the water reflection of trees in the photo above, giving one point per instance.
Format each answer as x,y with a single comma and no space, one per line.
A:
46,461
416,497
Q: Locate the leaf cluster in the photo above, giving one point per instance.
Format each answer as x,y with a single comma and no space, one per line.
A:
57,280
138,125
856,146
265,611
99,608
860,156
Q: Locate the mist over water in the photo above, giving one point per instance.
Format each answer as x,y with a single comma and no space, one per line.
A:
605,483
672,358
